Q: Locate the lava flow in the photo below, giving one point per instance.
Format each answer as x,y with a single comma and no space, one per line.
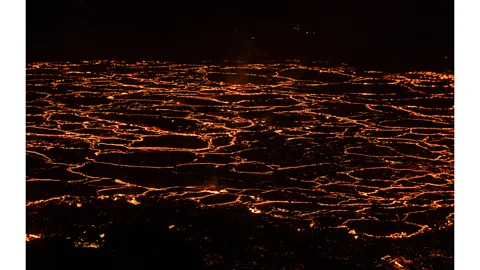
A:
258,166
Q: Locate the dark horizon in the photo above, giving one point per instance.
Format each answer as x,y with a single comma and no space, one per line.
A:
405,35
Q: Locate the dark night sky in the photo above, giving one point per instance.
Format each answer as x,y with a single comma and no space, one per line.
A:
385,34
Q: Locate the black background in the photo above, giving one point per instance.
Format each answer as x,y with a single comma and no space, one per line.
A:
370,34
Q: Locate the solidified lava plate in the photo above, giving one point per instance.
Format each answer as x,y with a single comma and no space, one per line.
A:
234,166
